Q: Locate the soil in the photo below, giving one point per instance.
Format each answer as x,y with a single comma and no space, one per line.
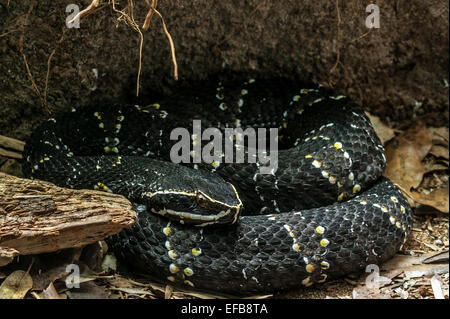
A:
399,71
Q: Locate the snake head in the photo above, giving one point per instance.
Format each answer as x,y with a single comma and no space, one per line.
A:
198,205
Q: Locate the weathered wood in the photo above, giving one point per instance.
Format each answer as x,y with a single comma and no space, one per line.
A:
7,255
11,143
10,147
38,217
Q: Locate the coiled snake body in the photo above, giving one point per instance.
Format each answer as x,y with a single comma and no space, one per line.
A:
323,213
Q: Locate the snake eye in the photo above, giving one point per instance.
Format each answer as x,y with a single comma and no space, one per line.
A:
202,200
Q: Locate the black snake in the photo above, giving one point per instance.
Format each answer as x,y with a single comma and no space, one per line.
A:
323,213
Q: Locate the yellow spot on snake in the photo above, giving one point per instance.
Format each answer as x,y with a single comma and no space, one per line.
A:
163,114
171,278
308,156
324,242
324,265
356,188
196,251
172,254
307,281
188,271
340,197
167,231
173,268
320,229
338,145
316,163
309,268
215,164
296,247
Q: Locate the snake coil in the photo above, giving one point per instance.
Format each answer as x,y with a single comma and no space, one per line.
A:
325,212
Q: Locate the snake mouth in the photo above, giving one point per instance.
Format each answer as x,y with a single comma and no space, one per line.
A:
198,219
196,207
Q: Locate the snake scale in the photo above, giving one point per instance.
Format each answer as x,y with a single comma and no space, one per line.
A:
326,211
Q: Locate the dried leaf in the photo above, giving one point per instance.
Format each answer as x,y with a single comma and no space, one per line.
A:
439,151
441,257
109,263
16,285
403,261
425,270
168,292
43,279
436,285
384,132
403,293
433,166
439,135
404,157
87,290
437,199
7,255
50,292
362,292
133,291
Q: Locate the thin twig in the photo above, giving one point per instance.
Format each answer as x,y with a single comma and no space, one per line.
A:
150,13
127,16
172,46
94,4
338,55
361,36
49,62
30,76
6,33
130,21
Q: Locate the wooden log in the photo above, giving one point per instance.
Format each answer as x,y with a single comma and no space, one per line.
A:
38,217
7,255
10,147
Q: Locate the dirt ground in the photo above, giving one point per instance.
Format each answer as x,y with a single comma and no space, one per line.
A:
398,72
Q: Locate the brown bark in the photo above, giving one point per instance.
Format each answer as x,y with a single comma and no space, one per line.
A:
10,147
38,217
